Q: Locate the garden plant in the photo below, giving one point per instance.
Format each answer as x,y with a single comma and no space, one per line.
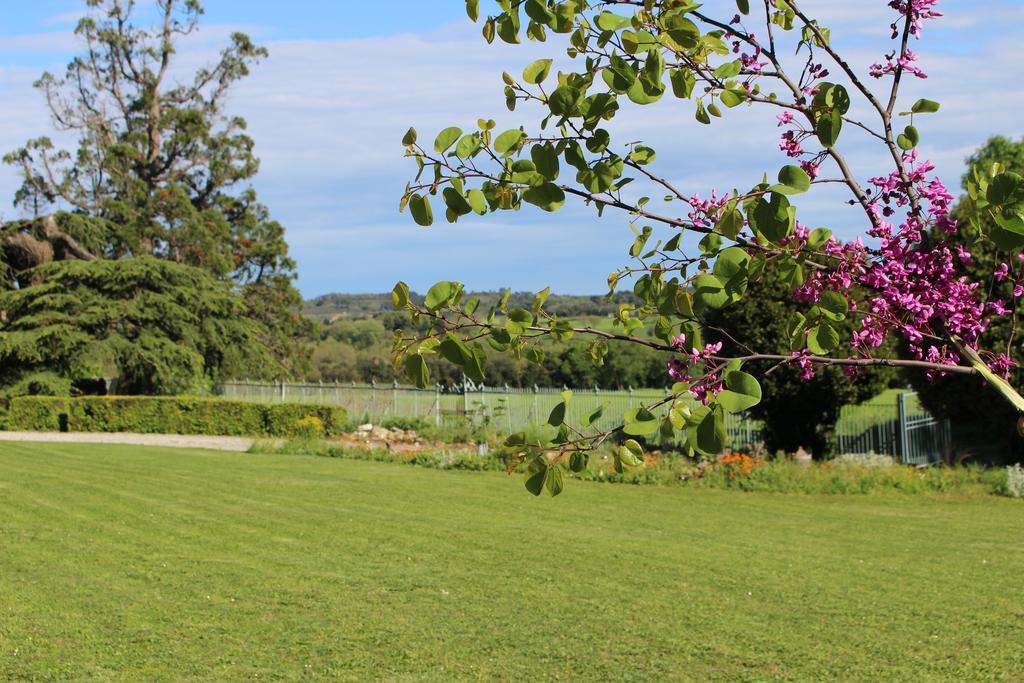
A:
903,279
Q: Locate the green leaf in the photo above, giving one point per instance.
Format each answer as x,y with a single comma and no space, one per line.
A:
409,138
537,71
606,21
728,70
578,461
631,454
538,11
730,223
640,422
564,100
540,299
702,114
742,392
793,180
773,217
710,292
455,201
416,366
508,27
829,125
683,82
642,155
743,6
419,207
536,474
477,201
1005,188
595,416
822,339
507,142
555,480
618,75
439,295
908,139
546,160
795,327
557,415
467,147
400,295
473,9
549,197
733,97
645,91
683,32
711,433
1008,233
834,305
731,270
446,138
924,106
520,315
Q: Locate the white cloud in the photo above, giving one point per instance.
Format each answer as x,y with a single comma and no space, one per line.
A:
64,19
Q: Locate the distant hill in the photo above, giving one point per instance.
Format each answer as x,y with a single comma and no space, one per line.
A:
330,307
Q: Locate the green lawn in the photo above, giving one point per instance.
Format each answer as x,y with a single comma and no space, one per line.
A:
122,563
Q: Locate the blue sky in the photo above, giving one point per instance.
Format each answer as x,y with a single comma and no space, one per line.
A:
345,78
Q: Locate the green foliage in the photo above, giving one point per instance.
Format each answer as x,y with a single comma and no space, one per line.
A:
623,53
796,412
172,415
162,173
983,429
156,326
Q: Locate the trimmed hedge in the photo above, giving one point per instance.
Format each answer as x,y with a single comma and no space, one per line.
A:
168,415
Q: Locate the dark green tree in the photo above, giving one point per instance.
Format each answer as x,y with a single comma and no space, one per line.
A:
984,428
158,326
160,170
797,412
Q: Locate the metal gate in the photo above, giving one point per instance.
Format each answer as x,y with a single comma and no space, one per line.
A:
923,439
902,429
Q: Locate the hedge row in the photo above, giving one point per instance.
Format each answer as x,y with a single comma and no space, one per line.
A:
169,415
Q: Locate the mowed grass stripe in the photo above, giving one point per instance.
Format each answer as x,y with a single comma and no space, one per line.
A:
123,562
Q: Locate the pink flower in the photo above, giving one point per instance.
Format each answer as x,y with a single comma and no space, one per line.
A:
1003,365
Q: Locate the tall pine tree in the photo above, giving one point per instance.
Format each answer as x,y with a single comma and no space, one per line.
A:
160,171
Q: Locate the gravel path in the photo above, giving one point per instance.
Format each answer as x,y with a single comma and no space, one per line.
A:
218,443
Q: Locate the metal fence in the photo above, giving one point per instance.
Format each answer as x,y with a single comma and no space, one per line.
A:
902,429
510,408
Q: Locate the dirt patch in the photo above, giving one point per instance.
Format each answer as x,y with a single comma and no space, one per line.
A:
402,441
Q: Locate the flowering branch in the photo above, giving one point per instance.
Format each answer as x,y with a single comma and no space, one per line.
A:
902,279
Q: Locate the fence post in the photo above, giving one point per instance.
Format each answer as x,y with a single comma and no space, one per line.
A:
901,409
437,405
465,396
508,407
394,398
282,391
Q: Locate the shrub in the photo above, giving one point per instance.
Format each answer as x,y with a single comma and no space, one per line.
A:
169,415
282,419
37,413
311,427
1014,485
403,422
